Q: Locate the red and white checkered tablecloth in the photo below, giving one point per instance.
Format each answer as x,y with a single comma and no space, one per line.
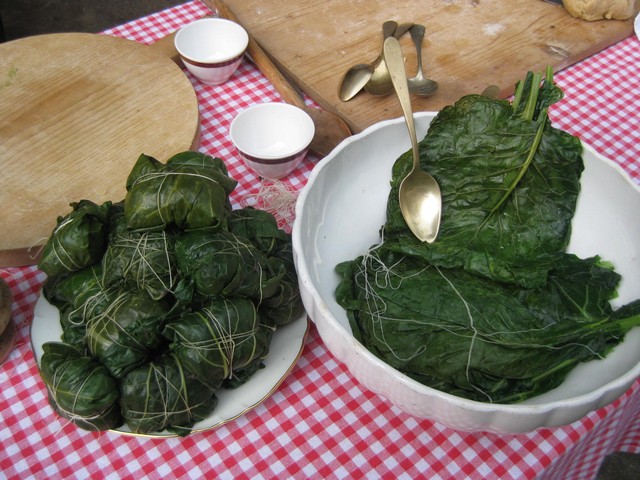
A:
321,423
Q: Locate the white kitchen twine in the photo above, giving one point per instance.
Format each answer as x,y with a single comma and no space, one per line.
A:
277,198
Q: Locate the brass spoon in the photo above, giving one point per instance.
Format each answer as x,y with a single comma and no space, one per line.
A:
419,195
379,84
419,84
358,75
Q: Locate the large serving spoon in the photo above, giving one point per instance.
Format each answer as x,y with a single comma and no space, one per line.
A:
330,129
419,195
379,84
419,84
359,74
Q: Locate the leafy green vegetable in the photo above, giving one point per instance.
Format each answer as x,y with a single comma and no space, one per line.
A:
495,309
189,192
140,260
78,288
163,395
171,295
220,339
285,305
79,295
223,264
477,338
259,227
78,240
127,332
281,304
80,388
508,197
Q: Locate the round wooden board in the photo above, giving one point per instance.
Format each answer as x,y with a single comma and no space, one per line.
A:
76,111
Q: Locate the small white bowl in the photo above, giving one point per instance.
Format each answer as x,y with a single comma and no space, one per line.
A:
212,48
272,138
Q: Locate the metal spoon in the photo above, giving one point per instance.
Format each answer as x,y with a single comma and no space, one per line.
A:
380,84
419,195
358,75
492,92
419,84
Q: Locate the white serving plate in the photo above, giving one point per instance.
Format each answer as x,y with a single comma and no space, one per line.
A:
338,216
285,350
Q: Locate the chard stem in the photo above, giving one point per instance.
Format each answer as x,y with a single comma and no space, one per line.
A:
530,107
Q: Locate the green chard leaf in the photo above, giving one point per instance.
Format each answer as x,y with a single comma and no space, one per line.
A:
127,332
477,338
506,213
189,192
140,260
163,395
80,388
219,340
495,309
78,240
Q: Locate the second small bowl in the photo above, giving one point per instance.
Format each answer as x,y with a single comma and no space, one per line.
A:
212,48
272,138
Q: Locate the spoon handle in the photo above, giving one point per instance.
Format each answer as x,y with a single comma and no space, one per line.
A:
395,63
417,35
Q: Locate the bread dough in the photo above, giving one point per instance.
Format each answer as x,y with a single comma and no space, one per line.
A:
593,10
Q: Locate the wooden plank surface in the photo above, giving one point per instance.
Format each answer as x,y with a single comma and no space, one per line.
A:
76,111
469,44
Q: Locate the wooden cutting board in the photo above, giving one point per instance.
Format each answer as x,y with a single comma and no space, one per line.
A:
469,44
76,111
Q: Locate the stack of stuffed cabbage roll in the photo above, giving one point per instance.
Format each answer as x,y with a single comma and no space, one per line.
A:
164,298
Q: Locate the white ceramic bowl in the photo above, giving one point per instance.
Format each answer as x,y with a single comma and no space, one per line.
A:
338,216
212,48
272,138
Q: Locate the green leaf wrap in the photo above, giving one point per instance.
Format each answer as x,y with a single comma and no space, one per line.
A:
259,227
78,240
126,333
222,264
285,305
141,260
79,296
220,339
77,288
163,395
80,388
189,192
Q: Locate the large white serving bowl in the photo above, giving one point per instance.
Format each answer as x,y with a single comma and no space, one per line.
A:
338,217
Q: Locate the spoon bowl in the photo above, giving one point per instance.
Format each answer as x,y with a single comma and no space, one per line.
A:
360,74
419,195
354,80
379,85
420,85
